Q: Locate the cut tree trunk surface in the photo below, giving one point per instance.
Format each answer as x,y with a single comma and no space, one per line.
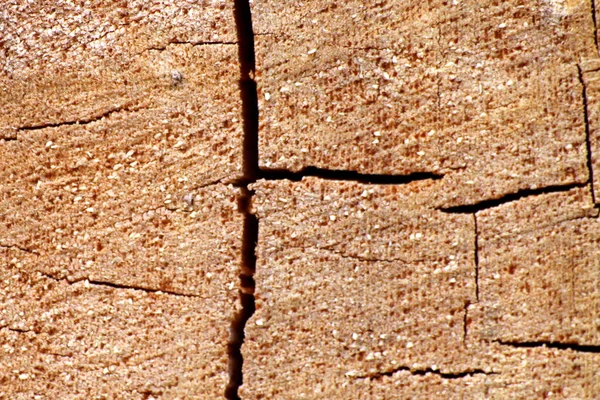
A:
299,200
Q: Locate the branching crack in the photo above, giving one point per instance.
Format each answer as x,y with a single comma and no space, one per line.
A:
421,372
93,282
582,348
74,122
586,120
520,194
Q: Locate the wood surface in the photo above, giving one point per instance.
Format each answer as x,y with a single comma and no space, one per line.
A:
380,199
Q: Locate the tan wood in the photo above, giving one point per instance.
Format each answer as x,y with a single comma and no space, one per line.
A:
375,199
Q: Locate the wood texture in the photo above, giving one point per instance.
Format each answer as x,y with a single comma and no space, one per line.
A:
299,200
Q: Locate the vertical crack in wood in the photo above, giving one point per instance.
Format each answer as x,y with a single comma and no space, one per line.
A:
476,256
249,97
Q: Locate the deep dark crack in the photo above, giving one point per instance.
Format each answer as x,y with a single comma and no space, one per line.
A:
236,340
582,348
238,325
251,172
420,372
508,198
344,175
